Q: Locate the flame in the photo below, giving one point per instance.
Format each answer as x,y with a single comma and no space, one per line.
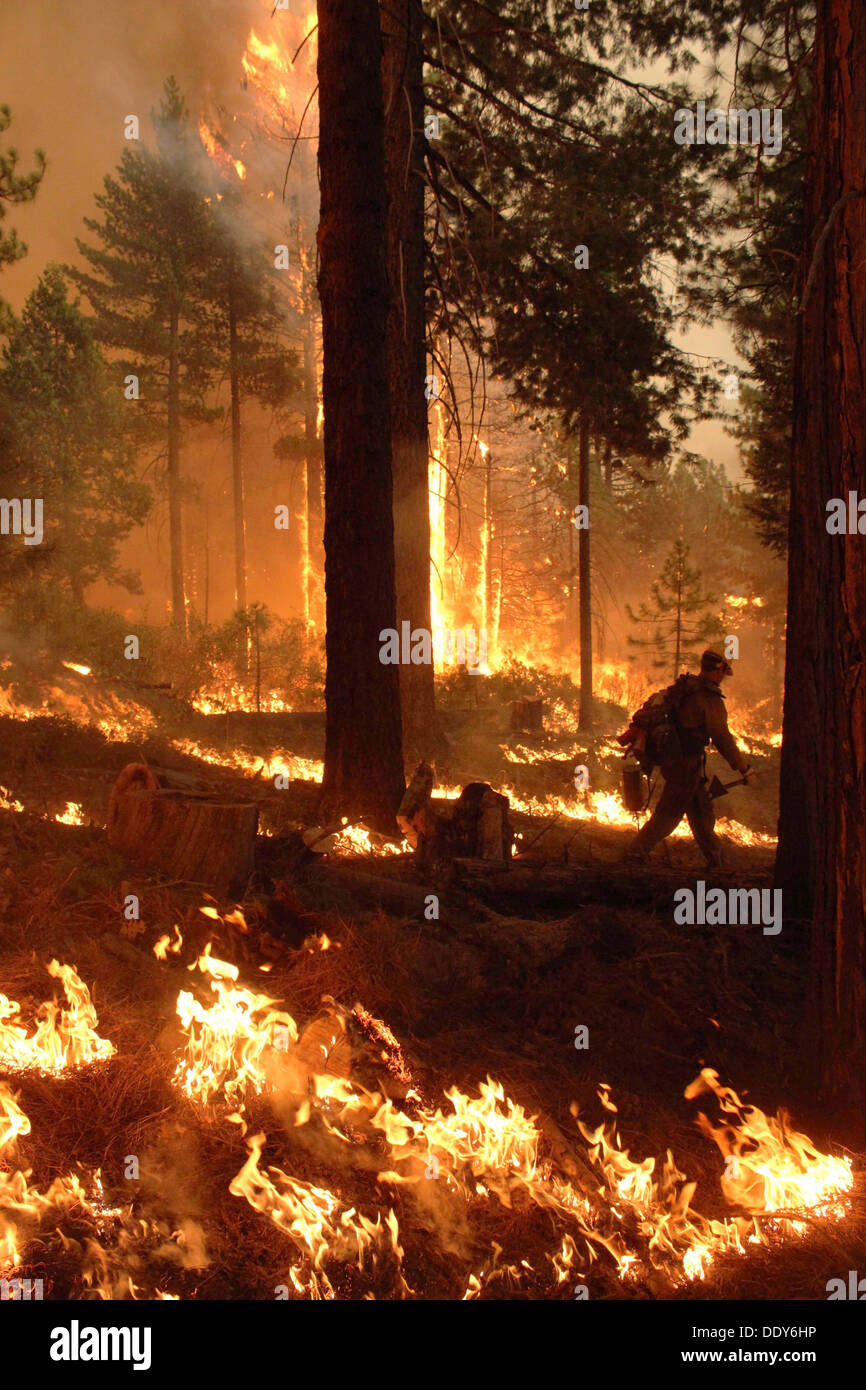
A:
74,666
164,945
284,765
608,808
314,1218
13,1121
64,1037
225,692
437,493
7,803
21,1204
771,1168
73,815
218,152
268,66
93,708
226,1041
487,1146
357,839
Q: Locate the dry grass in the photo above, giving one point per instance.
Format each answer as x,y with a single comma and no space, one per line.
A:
472,996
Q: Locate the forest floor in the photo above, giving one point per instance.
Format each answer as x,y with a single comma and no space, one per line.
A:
486,990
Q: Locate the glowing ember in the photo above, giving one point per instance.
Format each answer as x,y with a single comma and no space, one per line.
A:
357,839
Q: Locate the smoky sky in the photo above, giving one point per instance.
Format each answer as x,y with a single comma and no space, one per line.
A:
70,74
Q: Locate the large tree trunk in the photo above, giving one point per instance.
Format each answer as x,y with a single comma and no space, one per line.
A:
313,560
821,864
585,717
237,460
363,757
178,600
402,66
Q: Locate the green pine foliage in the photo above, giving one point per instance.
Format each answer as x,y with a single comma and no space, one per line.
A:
245,313
546,145
149,264
64,438
678,621
15,188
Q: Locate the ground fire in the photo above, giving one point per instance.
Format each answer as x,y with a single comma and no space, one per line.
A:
432,862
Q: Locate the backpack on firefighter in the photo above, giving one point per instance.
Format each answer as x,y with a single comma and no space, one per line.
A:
654,734
653,737
657,718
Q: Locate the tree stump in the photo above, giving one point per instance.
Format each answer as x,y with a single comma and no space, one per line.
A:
476,826
527,716
415,815
480,828
174,822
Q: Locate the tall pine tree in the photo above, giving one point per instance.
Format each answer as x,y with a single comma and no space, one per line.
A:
149,270
678,616
247,343
66,439
363,758
15,188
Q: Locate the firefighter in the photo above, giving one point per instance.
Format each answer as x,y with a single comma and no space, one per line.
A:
700,719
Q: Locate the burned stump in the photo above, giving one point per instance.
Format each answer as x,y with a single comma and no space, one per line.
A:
527,716
476,828
175,822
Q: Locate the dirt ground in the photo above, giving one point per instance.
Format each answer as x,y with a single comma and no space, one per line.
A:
479,992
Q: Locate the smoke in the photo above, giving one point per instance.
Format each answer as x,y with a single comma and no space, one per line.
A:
70,82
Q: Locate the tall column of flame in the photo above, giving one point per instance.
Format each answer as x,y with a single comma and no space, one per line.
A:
438,487
484,547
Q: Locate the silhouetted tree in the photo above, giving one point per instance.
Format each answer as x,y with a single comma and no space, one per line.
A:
821,863
150,268
363,759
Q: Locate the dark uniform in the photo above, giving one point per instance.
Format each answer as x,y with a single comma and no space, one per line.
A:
701,718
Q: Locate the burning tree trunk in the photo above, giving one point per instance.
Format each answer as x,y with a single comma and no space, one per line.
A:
402,66
585,718
489,558
363,757
313,560
821,864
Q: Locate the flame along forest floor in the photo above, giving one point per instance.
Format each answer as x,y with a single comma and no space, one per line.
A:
477,993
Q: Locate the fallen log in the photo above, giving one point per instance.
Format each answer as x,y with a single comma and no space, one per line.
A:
174,822
392,895
512,887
